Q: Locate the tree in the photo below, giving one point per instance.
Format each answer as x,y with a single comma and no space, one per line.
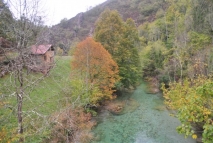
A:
121,40
108,31
6,18
97,68
193,100
129,59
187,42
23,31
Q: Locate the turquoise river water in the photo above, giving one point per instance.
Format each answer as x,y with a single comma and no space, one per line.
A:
144,120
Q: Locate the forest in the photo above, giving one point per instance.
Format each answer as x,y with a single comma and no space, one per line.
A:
100,55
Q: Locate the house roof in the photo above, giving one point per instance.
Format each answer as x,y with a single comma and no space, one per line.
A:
40,49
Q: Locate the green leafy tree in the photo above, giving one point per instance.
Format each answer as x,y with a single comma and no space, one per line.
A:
6,20
129,59
185,36
108,30
121,40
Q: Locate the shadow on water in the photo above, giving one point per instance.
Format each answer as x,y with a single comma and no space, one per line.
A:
143,120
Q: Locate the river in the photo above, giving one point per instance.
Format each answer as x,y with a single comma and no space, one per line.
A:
144,120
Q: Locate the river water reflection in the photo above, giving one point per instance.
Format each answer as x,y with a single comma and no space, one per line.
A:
145,120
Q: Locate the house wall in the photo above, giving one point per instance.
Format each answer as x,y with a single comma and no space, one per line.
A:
49,57
39,59
43,62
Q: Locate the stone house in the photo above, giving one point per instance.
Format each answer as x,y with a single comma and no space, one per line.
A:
42,58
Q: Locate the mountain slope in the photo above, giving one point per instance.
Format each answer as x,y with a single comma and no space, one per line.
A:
82,25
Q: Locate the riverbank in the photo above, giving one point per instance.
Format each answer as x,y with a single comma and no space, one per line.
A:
153,86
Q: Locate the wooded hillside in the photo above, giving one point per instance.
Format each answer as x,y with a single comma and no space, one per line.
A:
83,24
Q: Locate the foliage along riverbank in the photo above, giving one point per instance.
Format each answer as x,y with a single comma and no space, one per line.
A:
153,85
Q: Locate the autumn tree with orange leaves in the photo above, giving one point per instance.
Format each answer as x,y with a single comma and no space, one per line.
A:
96,68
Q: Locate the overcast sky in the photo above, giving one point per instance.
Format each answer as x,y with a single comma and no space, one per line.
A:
59,9
53,11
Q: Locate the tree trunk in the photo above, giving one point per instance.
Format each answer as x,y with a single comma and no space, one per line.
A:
20,93
20,124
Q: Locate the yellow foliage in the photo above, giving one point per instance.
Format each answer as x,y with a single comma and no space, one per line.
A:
194,136
5,136
192,99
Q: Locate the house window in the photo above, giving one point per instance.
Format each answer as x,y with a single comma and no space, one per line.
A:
45,57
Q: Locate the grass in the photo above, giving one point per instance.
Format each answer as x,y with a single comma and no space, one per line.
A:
49,91
43,98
